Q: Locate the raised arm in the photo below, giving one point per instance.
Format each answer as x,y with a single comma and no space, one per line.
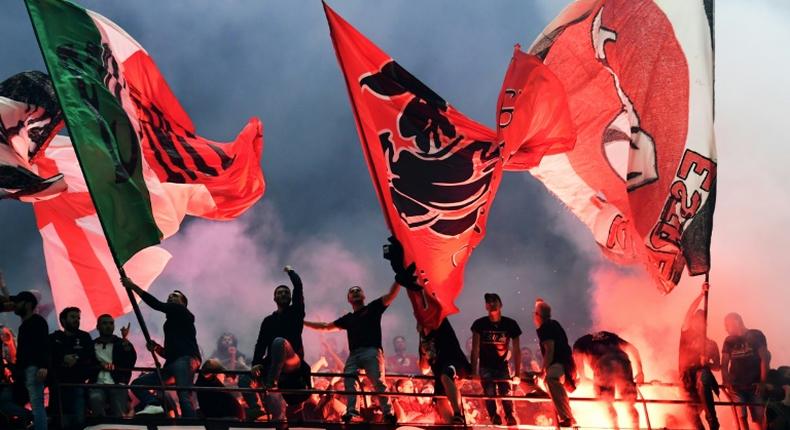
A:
297,299
388,298
149,300
693,308
321,326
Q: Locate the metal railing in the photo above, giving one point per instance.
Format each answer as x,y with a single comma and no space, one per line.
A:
535,397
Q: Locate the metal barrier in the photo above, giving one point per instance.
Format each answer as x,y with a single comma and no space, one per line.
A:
260,391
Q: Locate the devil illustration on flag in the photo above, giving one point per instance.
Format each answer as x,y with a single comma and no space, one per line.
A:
642,177
435,171
29,118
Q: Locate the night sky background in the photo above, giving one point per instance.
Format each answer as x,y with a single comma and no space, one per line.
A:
227,61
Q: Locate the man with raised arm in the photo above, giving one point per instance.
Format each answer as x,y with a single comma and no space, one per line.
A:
115,358
180,351
698,356
363,327
278,360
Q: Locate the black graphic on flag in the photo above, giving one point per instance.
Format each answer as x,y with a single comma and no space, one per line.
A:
438,178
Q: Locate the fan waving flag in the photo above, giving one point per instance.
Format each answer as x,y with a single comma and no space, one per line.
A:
642,177
141,160
435,171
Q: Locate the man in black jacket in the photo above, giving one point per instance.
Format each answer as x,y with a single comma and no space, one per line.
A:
181,353
33,356
73,361
278,360
115,357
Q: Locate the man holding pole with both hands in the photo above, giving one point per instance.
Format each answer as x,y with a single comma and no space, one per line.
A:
180,351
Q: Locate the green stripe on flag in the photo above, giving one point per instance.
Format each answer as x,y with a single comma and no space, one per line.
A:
82,69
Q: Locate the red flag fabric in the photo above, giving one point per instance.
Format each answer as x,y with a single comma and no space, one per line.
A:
639,77
230,172
435,171
534,117
184,174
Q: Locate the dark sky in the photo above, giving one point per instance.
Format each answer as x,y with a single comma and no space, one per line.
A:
228,61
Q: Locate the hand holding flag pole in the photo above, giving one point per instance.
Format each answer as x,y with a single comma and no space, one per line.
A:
130,286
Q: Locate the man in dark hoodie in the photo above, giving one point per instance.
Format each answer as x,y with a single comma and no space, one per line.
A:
181,352
115,357
73,362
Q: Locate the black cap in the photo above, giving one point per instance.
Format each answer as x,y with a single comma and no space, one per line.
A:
490,297
25,296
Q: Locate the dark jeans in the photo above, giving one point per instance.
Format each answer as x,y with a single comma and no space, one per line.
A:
284,360
71,401
494,389
182,371
372,361
699,383
35,390
250,398
102,399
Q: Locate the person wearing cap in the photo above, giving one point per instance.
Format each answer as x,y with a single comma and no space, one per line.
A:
33,356
180,351
557,361
73,362
491,337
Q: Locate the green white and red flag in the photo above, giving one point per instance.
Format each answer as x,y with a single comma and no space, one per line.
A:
142,163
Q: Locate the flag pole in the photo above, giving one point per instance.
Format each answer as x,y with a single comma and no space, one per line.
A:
360,128
118,264
146,335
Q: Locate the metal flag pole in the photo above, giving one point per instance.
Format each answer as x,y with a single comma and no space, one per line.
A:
146,335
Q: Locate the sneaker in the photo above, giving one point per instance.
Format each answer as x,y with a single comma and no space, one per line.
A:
390,419
510,420
496,420
458,419
151,410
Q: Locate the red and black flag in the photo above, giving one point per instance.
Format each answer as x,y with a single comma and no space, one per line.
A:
642,177
435,171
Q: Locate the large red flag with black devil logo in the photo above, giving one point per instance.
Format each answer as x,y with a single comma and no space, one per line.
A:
639,77
435,171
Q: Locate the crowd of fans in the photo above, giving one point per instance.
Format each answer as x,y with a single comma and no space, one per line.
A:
59,378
